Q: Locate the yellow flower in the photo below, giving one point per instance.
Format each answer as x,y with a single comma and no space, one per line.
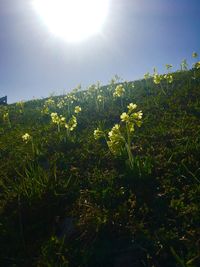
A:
169,78
131,106
194,55
100,98
124,116
98,134
147,75
61,104
157,78
168,66
5,116
26,137
55,118
77,109
62,119
119,91
139,115
197,65
49,102
71,125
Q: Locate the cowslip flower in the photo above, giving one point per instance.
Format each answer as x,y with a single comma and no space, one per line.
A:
168,66
119,91
62,119
169,78
77,109
157,78
131,106
138,115
194,55
100,98
26,137
5,116
116,140
147,75
49,102
55,118
197,65
71,125
98,134
124,116
61,104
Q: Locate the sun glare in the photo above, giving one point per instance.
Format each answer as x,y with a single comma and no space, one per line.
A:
73,20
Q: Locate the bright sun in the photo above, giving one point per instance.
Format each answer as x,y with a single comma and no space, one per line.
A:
73,20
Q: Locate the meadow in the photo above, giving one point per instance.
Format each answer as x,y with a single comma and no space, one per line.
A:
108,176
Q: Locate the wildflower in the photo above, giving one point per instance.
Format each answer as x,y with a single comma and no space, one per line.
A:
98,134
20,104
62,119
147,75
47,104
55,118
119,91
71,125
26,137
157,78
6,116
71,98
138,115
100,98
124,116
131,106
77,109
197,65
194,55
169,78
116,140
168,66
61,104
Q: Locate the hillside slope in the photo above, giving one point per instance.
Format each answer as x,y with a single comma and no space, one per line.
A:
68,198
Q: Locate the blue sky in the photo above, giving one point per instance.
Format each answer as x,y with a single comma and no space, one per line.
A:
138,35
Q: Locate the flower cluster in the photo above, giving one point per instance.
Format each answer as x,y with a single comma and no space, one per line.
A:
71,98
168,78
6,116
98,134
147,75
116,141
119,91
194,55
131,118
157,78
120,138
57,119
77,109
49,103
71,125
168,66
26,137
197,65
61,103
20,105
100,98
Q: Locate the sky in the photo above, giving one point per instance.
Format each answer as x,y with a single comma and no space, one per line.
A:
136,36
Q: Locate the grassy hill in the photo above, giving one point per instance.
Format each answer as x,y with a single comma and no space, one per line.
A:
122,196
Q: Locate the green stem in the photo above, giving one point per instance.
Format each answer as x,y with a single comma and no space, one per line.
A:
128,147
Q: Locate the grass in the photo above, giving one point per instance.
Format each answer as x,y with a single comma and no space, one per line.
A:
67,200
